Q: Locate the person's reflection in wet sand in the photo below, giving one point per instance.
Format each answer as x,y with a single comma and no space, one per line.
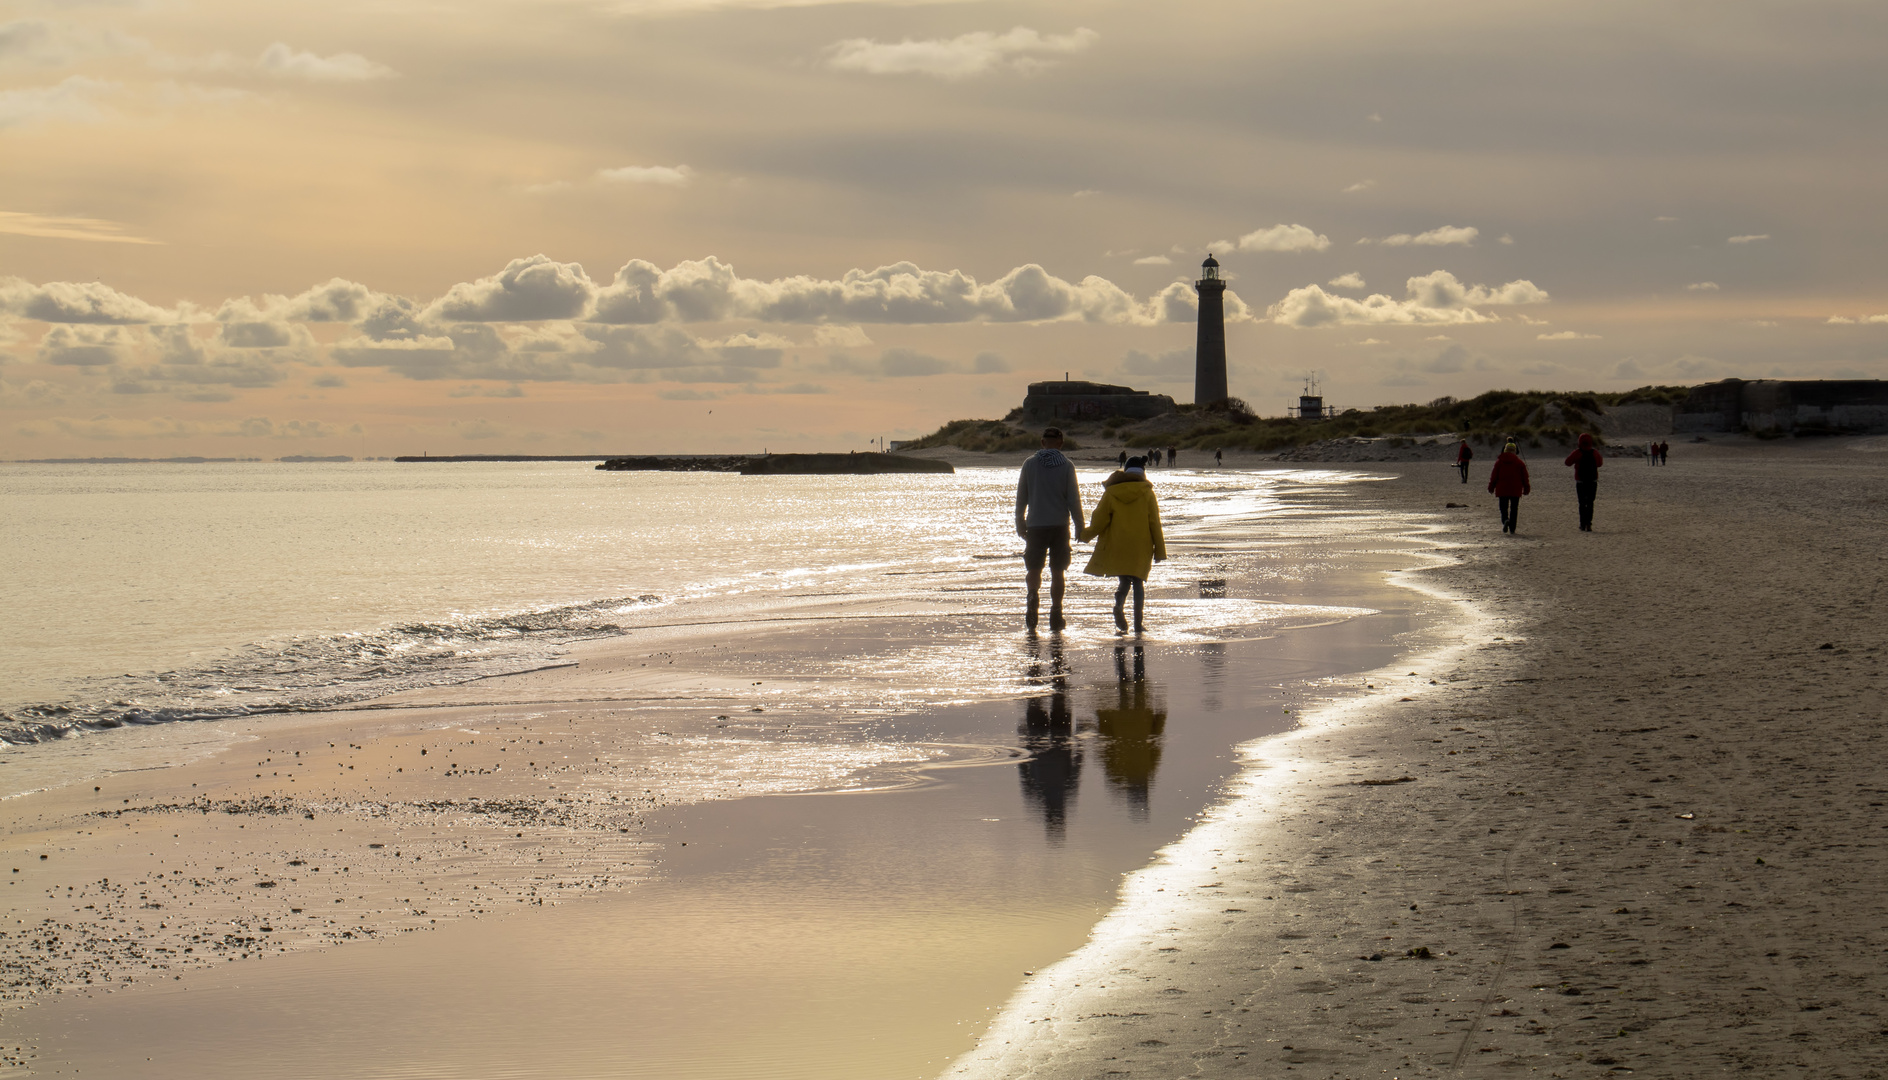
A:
1054,767
1131,731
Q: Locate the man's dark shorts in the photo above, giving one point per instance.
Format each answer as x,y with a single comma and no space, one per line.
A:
1045,541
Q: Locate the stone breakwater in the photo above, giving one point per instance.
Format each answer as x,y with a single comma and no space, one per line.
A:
781,464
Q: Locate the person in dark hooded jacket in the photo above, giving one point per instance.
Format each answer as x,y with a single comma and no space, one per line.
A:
1586,462
1508,481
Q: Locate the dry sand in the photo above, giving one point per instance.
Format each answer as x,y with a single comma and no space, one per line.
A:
1632,823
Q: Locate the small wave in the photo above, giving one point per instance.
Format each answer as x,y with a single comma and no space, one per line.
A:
313,673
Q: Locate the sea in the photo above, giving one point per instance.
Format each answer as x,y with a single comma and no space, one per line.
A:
981,790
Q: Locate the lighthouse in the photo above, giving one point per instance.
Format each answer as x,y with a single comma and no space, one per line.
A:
1209,359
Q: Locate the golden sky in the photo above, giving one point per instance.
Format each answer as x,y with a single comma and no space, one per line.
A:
558,226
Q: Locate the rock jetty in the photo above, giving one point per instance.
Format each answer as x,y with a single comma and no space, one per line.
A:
868,464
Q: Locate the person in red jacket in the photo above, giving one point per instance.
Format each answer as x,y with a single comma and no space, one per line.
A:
1463,455
1586,462
1508,481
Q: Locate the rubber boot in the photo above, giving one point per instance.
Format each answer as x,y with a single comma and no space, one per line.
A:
1029,613
1120,614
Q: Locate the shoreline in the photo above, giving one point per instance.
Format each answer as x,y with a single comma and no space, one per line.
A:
1655,850
475,867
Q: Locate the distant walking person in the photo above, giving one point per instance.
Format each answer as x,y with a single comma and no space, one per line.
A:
1586,462
1219,458
1173,455
1652,454
1127,521
1123,460
1664,449
1047,499
1464,455
1508,481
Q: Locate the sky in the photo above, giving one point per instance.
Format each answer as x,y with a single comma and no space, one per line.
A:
636,226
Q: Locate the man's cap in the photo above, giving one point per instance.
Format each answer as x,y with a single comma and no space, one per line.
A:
1052,433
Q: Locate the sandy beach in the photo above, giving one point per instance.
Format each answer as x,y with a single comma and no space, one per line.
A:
1655,850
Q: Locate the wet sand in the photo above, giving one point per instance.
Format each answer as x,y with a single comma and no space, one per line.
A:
1631,823
563,873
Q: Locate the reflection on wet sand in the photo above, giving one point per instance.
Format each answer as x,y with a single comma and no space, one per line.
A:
1053,769
1130,720
1131,729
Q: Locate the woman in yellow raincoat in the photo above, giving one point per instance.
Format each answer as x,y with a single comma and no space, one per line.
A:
1128,523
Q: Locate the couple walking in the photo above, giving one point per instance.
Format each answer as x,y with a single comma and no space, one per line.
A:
1126,521
1508,481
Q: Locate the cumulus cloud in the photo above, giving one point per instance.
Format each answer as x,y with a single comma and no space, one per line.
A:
87,346
1431,299
1179,303
1085,193
1361,185
1351,280
1153,260
664,175
1844,320
708,290
283,62
1566,335
1750,239
1463,235
968,55
76,99
76,302
526,290
1702,286
1289,238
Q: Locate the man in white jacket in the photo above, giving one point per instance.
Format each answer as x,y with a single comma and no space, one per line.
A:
1047,500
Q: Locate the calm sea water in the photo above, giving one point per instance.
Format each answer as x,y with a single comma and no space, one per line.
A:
150,593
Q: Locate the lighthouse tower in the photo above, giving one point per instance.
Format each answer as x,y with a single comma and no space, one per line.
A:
1209,362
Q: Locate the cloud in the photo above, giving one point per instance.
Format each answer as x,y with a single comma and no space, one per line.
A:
990,364
1505,239
29,43
329,381
664,175
1442,237
1844,320
1361,185
1153,260
1172,366
1284,238
74,302
903,363
68,228
840,337
87,346
962,57
526,290
283,62
709,290
1432,299
1085,193
1566,335
1750,239
74,99
1351,280
1702,286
